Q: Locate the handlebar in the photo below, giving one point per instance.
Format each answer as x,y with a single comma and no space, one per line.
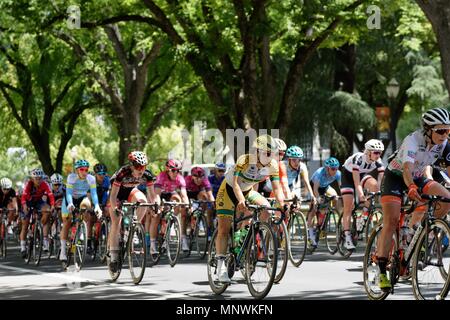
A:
263,207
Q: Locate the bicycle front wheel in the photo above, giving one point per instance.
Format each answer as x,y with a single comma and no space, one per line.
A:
283,251
340,236
297,238
201,237
137,253
173,240
37,244
103,241
373,220
330,233
212,266
431,263
261,260
80,245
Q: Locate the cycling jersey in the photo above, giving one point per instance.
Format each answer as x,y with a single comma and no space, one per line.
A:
6,198
124,178
294,174
78,188
103,190
60,193
193,187
33,194
322,177
359,162
168,185
250,174
414,150
215,183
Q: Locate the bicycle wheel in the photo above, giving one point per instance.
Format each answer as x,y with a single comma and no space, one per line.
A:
3,240
431,263
37,244
213,272
115,274
371,270
137,252
298,239
103,241
201,236
340,236
330,231
173,240
375,217
80,245
283,251
261,260
29,244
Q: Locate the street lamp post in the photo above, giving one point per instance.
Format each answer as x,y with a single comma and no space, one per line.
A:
392,90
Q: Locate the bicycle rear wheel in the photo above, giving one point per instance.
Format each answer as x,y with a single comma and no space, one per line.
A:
37,244
80,245
431,263
371,271
137,253
213,273
297,238
261,260
283,251
173,240
330,231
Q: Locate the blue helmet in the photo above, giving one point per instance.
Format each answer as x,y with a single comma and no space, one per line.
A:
332,162
220,166
294,152
81,163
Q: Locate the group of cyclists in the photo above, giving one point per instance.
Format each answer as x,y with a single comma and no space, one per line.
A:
273,170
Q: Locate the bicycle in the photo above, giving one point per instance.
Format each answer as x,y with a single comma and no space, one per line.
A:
425,251
297,230
34,237
325,224
257,255
373,217
169,234
131,242
101,234
199,229
3,233
54,241
76,245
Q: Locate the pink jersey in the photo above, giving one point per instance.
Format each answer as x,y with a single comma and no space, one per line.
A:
164,183
191,186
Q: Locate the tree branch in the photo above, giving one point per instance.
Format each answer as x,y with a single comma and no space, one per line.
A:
114,36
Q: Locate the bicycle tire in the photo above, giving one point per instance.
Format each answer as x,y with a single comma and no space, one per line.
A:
137,252
330,231
201,238
375,217
267,246
217,287
340,237
437,280
103,241
115,275
298,238
173,241
80,245
3,245
283,252
37,244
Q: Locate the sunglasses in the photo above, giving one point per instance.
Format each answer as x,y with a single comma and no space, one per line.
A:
441,131
101,173
56,184
333,169
267,153
83,169
220,170
198,176
138,167
376,152
174,170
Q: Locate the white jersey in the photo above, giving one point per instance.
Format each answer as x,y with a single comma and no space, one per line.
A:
359,162
414,150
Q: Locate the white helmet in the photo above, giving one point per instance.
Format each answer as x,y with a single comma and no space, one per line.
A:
37,173
281,144
56,178
6,183
436,116
374,145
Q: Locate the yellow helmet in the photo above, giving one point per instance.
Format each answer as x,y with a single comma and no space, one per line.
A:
266,143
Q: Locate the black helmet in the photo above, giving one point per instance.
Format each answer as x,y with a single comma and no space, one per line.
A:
100,167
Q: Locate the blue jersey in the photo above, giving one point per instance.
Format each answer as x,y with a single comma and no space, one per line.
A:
103,191
77,188
321,176
215,183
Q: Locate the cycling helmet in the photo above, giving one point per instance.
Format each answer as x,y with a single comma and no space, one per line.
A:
281,145
197,171
36,173
374,145
220,166
56,178
294,152
173,164
100,167
265,143
81,163
435,116
332,162
6,183
138,158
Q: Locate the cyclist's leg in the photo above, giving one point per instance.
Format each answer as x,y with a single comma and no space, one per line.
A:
86,206
434,188
45,209
67,222
25,218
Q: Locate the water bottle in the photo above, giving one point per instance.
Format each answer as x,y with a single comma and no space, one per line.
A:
359,223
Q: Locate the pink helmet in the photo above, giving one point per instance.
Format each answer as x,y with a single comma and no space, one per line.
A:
197,171
173,164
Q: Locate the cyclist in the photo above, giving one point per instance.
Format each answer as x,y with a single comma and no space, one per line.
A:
217,177
36,194
282,172
77,188
406,172
8,203
125,184
238,186
296,168
321,181
199,188
59,192
358,175
171,185
103,184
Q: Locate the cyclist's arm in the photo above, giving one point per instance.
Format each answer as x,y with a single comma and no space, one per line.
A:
278,192
428,173
152,195
316,189
408,169
184,196
380,178
113,195
237,190
305,176
209,196
14,201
